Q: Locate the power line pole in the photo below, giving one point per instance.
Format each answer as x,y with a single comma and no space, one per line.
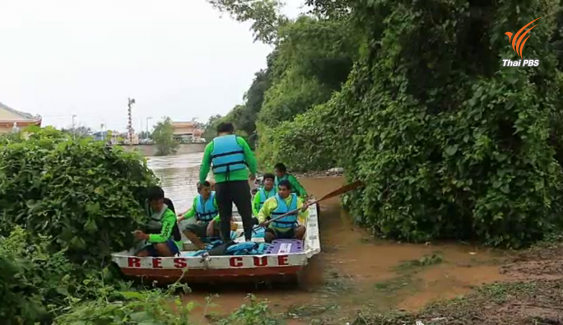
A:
130,126
73,128
147,125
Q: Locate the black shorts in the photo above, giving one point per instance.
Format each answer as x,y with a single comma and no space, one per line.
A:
289,234
199,228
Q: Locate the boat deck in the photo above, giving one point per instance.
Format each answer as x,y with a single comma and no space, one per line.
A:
210,268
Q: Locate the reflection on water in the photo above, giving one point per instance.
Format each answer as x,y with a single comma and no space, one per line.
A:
179,176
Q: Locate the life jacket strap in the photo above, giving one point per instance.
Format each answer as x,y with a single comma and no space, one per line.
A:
227,153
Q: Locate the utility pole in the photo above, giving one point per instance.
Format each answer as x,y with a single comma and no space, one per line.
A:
73,128
147,125
130,126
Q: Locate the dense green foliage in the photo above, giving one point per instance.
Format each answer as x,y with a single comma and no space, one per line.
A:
73,191
163,137
312,60
303,144
66,205
31,279
37,284
157,306
450,143
452,146
243,116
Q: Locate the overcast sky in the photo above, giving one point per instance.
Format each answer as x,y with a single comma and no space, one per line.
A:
177,58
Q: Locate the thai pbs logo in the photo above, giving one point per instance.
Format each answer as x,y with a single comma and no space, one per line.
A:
518,41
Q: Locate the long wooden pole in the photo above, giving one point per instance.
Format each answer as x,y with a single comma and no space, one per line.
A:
337,192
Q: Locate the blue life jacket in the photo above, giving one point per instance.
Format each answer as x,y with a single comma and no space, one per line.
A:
260,233
288,221
264,196
262,248
198,253
227,155
206,211
241,249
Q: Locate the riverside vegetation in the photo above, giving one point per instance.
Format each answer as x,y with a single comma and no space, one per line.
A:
411,97
408,96
66,205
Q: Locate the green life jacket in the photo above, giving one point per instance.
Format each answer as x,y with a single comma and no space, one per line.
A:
285,178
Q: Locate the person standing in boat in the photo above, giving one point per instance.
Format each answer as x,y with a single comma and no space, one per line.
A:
290,226
206,212
281,174
265,192
163,235
230,158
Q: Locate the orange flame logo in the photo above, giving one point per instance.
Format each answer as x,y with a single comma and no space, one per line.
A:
517,39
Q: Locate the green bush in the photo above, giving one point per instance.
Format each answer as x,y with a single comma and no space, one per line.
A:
34,284
39,286
303,144
254,313
157,306
450,143
87,196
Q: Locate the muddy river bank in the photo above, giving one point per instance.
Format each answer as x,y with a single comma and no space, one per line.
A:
358,279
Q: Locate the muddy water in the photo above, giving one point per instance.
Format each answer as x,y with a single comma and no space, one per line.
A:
179,176
353,272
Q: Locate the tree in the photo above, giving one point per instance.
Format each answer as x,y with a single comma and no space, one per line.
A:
450,143
311,60
210,130
197,124
79,132
144,135
264,15
163,136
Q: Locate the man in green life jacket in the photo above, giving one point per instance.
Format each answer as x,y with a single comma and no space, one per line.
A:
206,212
290,226
265,192
281,174
230,158
163,235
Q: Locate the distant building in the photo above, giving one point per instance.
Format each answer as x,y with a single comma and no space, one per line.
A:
112,136
186,132
12,120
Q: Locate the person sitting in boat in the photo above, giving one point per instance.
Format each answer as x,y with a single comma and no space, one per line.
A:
265,192
163,237
206,211
290,226
281,174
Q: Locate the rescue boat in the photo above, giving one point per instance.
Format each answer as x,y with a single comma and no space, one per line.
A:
282,260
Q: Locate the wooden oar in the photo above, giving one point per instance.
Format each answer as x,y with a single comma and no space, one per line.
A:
340,191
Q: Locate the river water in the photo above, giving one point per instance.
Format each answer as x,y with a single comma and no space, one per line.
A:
353,272
179,176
